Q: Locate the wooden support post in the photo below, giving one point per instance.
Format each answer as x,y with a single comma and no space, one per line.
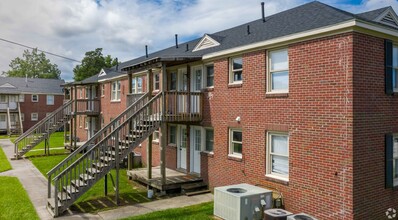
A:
75,118
130,155
117,159
150,138
106,185
163,129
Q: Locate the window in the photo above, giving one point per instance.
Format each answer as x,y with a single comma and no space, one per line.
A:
3,99
197,78
86,123
172,134
235,142
50,99
115,91
395,68
103,90
35,98
278,76
87,91
34,117
209,75
21,98
395,160
136,84
22,117
173,81
156,81
156,136
209,140
236,67
2,117
278,154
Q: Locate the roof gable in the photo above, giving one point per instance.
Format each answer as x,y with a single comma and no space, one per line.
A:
388,17
7,85
206,42
102,73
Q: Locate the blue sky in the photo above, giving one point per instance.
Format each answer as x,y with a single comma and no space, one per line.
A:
123,27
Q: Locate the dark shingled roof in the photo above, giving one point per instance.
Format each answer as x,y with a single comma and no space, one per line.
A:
110,73
30,86
306,17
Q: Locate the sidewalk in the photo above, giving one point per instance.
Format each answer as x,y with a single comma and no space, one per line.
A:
35,185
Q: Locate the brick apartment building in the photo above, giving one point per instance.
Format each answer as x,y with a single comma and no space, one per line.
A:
24,102
302,101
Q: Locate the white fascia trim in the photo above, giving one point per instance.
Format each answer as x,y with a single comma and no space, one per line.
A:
113,78
377,28
347,24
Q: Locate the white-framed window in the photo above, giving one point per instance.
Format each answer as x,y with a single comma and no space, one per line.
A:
50,99
172,134
395,160
22,117
209,139
85,123
103,90
209,71
236,70
173,81
35,98
2,117
395,68
3,99
116,90
156,81
156,135
278,154
136,84
235,142
34,116
21,98
278,71
197,78
86,92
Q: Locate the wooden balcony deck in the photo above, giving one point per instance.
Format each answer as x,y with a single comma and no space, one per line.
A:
174,179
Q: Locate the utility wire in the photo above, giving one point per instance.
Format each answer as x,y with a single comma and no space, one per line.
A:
53,54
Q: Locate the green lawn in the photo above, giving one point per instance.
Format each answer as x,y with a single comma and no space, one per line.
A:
200,211
4,164
14,202
94,199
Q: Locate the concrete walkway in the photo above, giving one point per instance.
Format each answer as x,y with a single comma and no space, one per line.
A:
35,185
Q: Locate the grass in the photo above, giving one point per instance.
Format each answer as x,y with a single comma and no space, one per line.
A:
200,211
56,141
12,137
94,199
14,201
4,164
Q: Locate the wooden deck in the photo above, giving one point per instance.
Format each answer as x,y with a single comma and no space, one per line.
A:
174,179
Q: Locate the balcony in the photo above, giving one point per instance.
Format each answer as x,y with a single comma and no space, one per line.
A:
183,106
89,107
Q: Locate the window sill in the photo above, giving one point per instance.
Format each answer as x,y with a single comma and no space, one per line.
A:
115,101
207,153
235,85
208,89
277,179
277,94
172,145
155,141
235,158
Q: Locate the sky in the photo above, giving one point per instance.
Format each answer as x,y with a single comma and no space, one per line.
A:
122,28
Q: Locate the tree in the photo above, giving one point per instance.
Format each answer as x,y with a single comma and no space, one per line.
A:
92,64
33,65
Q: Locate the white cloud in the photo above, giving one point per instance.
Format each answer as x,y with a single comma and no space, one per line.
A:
123,27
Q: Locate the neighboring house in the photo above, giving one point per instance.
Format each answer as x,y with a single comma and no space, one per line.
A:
25,101
302,101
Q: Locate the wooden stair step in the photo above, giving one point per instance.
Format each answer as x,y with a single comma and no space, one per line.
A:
78,183
93,171
100,165
197,192
86,177
191,186
71,189
62,196
107,159
51,203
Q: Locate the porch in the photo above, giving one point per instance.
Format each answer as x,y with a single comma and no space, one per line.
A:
174,179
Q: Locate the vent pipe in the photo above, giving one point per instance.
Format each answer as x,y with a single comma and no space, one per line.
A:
187,47
176,40
248,29
117,64
262,10
146,51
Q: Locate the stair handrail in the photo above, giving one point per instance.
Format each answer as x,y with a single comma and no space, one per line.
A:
96,135
88,152
20,117
43,121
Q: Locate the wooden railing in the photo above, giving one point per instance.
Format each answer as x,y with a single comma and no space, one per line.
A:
88,106
183,106
131,98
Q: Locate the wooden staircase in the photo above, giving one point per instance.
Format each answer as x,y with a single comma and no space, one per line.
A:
77,173
42,130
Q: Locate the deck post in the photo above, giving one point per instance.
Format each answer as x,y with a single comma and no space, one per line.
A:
75,119
117,159
106,185
130,155
150,138
163,128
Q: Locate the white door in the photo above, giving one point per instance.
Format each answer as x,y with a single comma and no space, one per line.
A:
196,86
3,121
182,87
182,148
13,101
196,148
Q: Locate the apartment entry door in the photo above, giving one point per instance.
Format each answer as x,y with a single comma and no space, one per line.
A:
196,148
196,86
182,86
182,148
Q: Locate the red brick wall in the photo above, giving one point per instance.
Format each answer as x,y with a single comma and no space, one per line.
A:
40,107
375,114
315,114
155,153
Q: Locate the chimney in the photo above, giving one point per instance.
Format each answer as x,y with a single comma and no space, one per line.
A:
146,51
262,10
248,29
176,40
